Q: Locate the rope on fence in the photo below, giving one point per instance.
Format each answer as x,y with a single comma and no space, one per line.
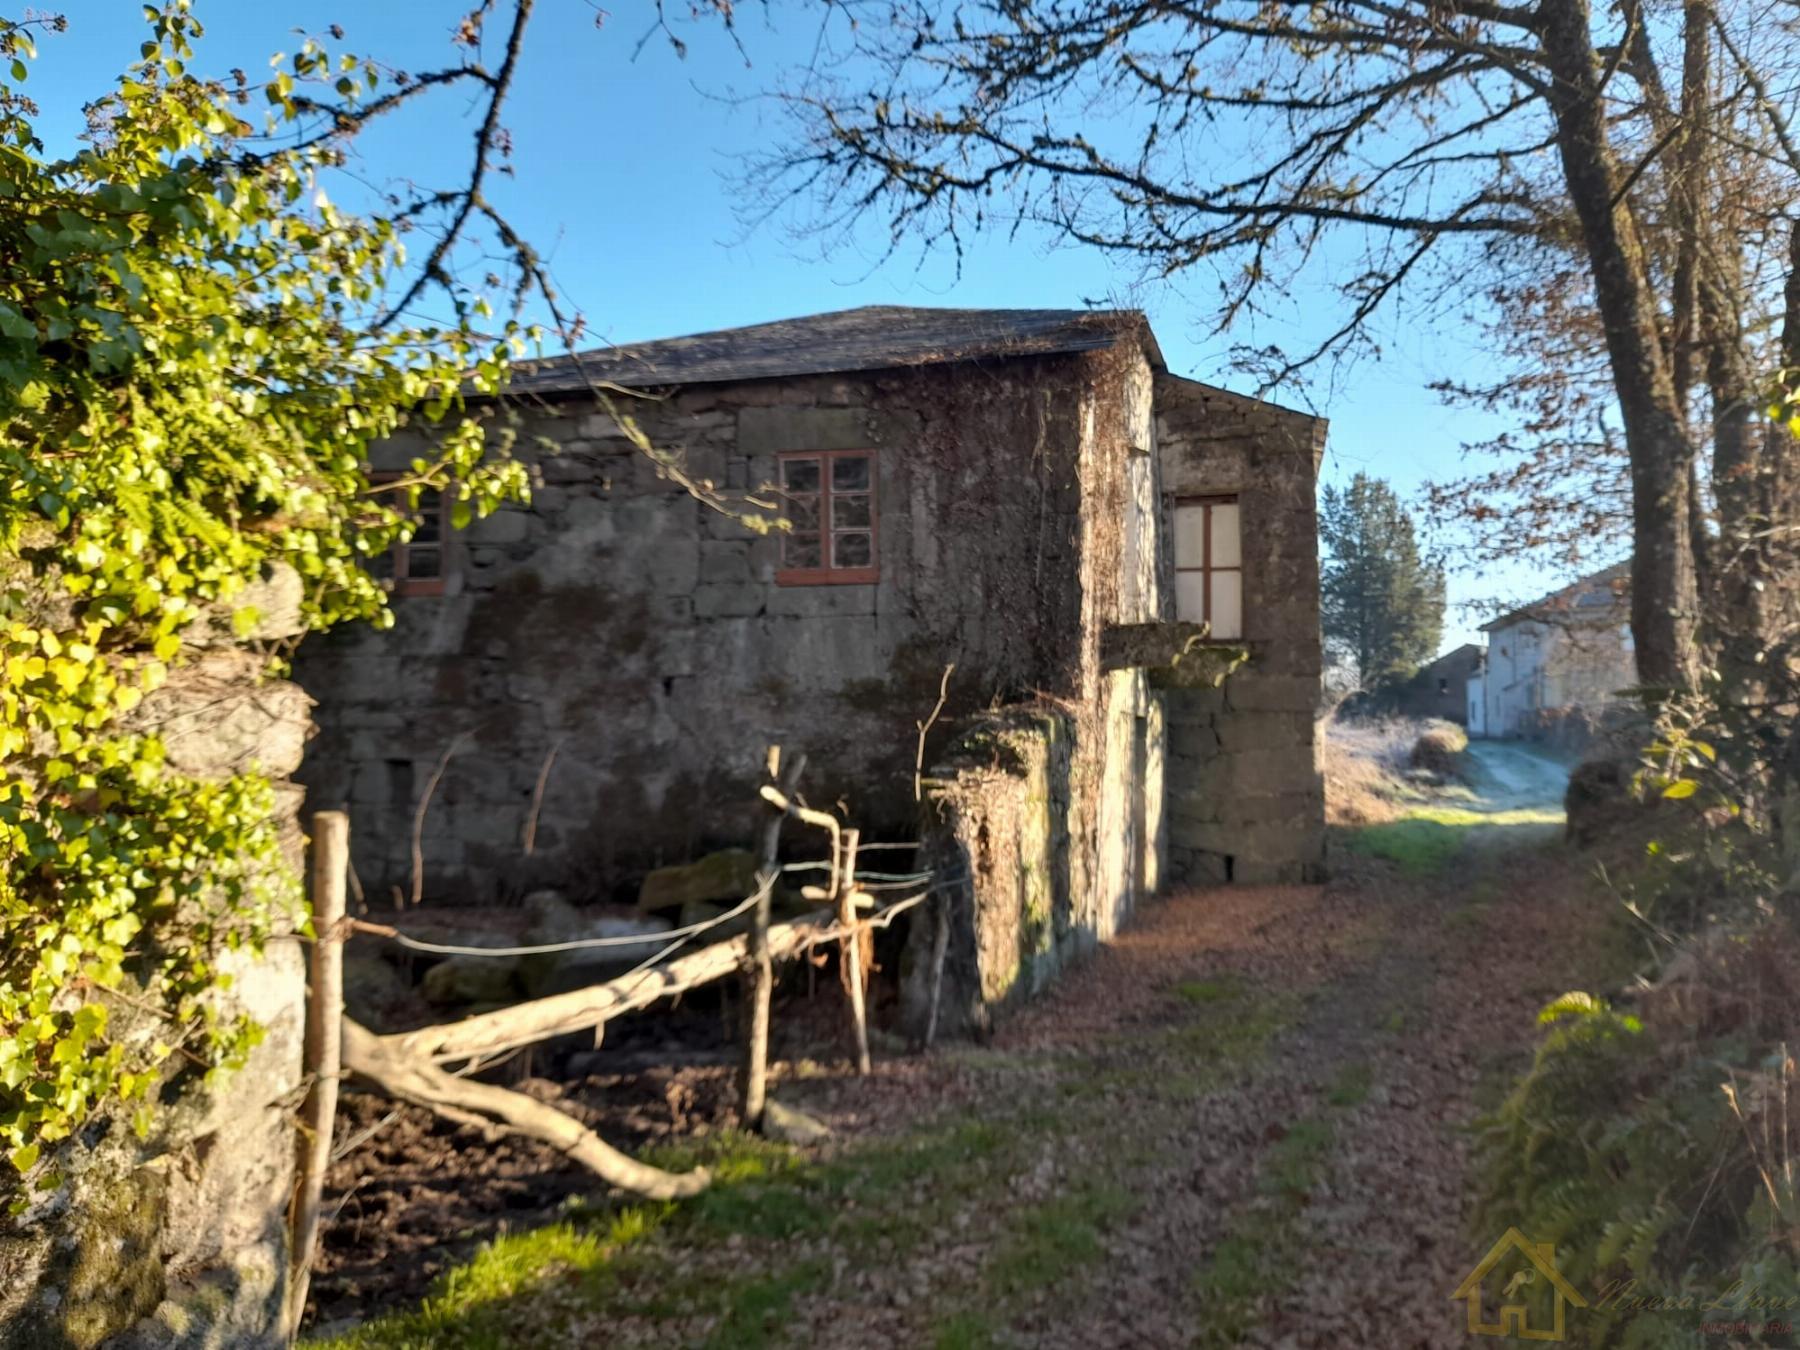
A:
887,882
546,948
860,876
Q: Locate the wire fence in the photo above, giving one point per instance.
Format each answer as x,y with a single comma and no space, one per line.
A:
846,904
866,882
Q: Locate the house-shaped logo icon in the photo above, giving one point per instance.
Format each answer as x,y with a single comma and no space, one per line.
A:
1514,1318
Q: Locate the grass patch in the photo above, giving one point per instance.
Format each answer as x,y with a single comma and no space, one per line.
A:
756,1309
1262,1256
473,1306
1428,839
1297,1161
1264,1251
964,1331
760,1189
1352,1086
1055,1239
1238,1034
1201,1055
1209,991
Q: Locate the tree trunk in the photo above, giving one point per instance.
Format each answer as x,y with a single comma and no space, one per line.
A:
1664,605
1756,601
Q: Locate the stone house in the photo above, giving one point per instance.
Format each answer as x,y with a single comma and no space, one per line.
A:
1567,655
1001,491
1438,689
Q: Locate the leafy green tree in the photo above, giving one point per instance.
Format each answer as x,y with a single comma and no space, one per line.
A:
195,357
1382,600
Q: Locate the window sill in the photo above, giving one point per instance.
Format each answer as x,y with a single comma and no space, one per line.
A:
827,576
1212,638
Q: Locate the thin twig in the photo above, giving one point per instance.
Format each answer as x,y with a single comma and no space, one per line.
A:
418,829
356,886
537,797
924,730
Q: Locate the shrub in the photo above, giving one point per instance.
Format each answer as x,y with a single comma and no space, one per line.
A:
1659,1151
1364,764
190,380
1439,750
1651,1152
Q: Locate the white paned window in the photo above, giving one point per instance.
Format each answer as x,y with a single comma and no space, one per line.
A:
1209,565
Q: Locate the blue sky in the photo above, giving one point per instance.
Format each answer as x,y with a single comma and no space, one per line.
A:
623,178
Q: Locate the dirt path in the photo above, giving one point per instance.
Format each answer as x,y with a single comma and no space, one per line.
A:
1510,776
1276,1154
1242,1124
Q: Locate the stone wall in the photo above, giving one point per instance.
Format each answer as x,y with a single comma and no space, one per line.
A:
180,1240
644,637
1044,821
997,836
1246,798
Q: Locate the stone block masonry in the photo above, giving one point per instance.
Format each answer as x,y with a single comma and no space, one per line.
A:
997,831
650,641
1022,499
1246,797
179,1242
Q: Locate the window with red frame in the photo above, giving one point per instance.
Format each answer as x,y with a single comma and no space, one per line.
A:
828,499
416,567
1209,565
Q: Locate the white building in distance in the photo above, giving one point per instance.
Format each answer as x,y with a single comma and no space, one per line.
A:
1568,654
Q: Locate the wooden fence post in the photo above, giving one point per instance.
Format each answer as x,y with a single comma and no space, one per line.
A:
850,955
940,947
759,977
323,1055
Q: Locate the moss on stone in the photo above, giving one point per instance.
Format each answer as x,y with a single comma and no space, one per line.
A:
729,874
113,1276
1205,667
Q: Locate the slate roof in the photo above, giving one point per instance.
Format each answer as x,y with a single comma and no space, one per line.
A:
1592,600
1468,655
874,337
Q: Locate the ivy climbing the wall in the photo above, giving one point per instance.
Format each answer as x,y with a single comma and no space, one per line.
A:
196,353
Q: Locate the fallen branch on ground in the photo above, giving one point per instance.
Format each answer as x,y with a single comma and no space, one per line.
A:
582,1009
406,1065
406,1078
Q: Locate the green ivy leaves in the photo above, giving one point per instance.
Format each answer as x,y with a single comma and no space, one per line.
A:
190,385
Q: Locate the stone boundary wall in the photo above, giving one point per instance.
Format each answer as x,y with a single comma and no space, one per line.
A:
181,1240
996,833
1047,818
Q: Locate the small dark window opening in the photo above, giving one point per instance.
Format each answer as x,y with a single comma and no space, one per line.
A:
1443,686
416,567
400,781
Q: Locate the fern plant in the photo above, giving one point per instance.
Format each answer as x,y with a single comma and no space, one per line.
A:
1619,1147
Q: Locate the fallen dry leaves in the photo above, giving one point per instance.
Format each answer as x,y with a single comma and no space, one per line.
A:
1239,1124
